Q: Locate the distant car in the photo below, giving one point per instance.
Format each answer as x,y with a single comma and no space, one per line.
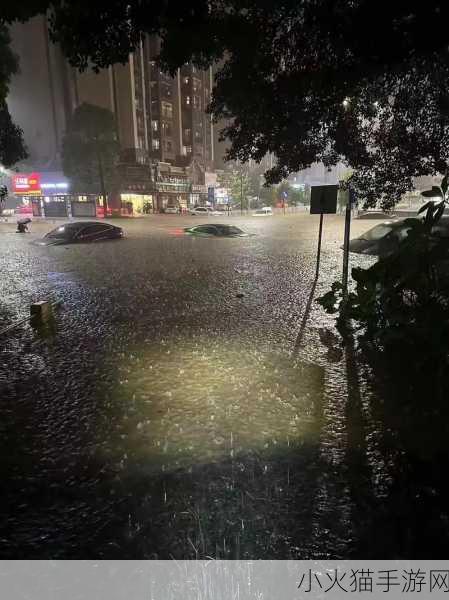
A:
216,230
264,211
171,210
383,239
204,211
375,214
81,232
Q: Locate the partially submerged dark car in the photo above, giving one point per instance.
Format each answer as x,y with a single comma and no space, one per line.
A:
216,230
81,232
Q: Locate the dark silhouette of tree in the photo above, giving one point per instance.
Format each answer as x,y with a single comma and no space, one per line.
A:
89,150
360,82
12,147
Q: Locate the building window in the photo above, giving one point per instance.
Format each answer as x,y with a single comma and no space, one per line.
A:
188,100
187,134
196,84
166,128
167,109
166,90
154,125
186,150
155,144
185,80
168,146
197,102
197,135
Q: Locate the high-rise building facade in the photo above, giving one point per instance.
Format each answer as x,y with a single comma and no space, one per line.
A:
180,130
157,116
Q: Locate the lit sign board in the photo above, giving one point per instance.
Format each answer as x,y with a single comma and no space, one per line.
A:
54,186
26,184
31,184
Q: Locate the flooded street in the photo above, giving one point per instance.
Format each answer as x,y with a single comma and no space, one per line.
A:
191,400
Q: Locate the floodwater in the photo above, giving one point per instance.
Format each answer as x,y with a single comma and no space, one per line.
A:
190,399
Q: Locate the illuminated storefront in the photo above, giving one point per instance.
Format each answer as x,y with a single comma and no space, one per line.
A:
134,203
41,193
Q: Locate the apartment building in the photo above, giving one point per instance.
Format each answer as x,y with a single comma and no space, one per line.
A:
159,118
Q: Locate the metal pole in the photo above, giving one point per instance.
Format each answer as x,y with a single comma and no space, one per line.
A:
102,184
241,193
346,244
318,254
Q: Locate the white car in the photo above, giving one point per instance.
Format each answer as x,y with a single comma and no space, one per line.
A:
171,210
204,211
263,212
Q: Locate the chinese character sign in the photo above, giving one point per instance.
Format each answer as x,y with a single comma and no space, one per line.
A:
25,184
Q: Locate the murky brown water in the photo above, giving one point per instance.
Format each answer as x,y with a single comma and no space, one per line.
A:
166,417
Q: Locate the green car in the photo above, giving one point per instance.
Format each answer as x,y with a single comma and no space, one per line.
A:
216,230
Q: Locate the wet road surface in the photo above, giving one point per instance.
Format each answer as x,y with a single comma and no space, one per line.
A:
182,405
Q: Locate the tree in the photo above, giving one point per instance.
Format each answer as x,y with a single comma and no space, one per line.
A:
89,151
3,196
236,179
12,146
307,81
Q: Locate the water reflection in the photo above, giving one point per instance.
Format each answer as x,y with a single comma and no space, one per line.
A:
183,402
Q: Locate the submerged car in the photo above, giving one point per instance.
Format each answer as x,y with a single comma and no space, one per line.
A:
172,210
263,212
375,214
216,230
204,211
384,238
81,232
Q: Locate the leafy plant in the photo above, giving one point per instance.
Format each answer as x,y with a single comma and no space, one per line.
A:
402,301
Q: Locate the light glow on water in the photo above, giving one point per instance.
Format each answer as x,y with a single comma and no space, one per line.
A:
186,402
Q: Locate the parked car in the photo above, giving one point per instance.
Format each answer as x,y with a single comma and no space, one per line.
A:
265,211
204,211
216,230
384,238
375,214
81,232
171,210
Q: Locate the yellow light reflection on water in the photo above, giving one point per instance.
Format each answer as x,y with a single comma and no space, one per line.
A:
190,401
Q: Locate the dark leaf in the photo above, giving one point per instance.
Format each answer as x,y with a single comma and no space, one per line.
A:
444,184
429,216
439,212
424,206
434,192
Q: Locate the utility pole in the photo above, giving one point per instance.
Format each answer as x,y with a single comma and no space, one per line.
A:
241,192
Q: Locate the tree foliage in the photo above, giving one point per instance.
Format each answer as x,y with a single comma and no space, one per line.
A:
12,147
360,82
236,178
89,140
402,301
